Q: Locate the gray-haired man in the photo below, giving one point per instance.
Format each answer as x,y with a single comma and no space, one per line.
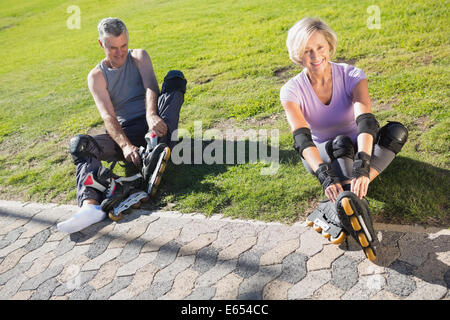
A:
127,96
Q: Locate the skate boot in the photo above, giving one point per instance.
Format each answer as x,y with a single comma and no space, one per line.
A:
325,220
121,192
355,216
154,161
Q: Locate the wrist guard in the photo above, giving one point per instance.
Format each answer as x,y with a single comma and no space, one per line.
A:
361,165
326,175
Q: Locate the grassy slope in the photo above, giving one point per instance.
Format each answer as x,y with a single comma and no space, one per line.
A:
234,56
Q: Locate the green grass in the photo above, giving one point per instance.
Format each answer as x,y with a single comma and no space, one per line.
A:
234,57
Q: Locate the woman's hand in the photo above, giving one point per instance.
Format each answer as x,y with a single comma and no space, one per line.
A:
333,191
359,186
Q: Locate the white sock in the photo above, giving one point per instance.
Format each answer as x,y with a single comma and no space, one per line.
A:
86,216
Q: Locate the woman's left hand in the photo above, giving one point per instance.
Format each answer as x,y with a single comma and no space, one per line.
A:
359,186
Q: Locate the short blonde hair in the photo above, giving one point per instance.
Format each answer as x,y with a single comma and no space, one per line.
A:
300,33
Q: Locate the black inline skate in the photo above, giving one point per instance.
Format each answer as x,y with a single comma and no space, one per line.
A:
325,220
356,218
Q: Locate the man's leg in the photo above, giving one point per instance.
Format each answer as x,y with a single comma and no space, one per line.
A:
169,105
87,153
170,102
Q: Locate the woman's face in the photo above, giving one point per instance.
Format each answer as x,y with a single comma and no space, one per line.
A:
317,53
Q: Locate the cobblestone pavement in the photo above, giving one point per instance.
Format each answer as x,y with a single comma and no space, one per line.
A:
168,255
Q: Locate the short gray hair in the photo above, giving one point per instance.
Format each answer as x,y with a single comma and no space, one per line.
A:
110,27
300,33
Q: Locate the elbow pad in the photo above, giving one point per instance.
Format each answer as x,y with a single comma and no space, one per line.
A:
302,139
368,124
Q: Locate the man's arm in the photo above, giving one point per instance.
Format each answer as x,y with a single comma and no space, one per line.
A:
144,64
97,86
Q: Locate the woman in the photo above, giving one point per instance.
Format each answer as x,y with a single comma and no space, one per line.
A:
329,111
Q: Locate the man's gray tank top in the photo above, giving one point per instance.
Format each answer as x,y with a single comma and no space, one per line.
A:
125,89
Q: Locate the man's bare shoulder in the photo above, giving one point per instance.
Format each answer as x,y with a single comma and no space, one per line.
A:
95,73
95,76
139,55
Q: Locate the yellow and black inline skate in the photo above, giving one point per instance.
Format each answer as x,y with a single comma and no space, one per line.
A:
355,216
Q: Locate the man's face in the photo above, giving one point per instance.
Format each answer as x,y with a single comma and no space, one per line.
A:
116,49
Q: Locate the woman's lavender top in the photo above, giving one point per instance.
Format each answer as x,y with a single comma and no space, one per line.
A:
327,121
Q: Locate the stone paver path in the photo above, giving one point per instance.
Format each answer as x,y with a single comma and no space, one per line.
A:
168,255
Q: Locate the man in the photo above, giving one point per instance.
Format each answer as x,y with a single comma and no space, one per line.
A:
126,93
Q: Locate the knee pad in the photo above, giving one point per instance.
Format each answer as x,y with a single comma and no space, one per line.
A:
174,80
83,146
339,147
393,136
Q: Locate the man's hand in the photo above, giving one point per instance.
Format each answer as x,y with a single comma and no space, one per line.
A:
131,154
157,125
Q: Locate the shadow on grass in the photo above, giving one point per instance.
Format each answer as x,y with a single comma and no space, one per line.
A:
412,192
408,191
191,165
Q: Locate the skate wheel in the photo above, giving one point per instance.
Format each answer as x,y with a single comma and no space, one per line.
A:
113,217
167,155
370,254
309,223
317,229
339,239
157,181
355,223
326,235
162,168
363,240
136,205
347,207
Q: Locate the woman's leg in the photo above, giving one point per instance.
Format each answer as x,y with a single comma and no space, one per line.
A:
339,154
391,139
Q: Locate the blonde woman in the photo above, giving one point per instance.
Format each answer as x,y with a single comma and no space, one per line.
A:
335,132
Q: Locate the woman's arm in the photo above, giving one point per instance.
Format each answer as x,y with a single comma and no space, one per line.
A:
361,105
296,121
310,153
367,128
